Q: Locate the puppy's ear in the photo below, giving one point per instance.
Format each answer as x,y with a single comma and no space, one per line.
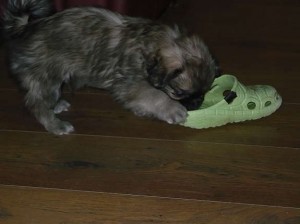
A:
152,64
156,72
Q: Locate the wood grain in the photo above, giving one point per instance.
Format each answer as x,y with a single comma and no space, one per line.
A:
49,206
185,169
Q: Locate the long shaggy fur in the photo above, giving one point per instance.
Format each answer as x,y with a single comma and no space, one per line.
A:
147,66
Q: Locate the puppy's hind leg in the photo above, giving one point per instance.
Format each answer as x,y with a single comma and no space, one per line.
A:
41,102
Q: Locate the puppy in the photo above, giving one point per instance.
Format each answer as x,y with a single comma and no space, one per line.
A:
152,69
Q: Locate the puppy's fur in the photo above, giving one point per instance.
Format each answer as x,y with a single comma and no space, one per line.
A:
147,66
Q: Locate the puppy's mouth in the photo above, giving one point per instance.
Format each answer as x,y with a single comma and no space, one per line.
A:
175,94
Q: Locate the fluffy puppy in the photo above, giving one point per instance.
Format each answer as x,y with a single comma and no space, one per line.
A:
147,66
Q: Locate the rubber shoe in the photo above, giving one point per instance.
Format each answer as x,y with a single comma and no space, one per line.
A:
229,101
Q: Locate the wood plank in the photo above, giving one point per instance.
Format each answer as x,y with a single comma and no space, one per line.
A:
271,21
47,206
185,169
107,118
234,21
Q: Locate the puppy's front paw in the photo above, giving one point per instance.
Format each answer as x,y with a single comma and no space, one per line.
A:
151,102
173,113
60,128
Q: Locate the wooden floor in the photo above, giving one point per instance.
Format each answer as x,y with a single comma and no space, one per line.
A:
118,168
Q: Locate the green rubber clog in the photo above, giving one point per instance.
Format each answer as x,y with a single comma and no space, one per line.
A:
229,101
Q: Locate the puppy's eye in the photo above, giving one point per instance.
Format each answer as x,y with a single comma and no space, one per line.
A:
174,74
177,72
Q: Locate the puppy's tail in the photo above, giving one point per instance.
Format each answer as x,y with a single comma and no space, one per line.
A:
18,13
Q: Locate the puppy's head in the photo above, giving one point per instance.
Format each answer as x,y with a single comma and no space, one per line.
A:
184,69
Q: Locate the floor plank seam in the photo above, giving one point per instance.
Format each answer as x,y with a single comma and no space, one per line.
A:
151,139
144,196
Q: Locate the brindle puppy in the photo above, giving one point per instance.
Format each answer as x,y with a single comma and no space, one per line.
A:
147,66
